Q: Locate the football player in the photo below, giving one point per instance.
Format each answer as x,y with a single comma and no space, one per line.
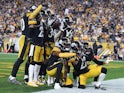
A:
50,37
36,50
66,28
67,32
67,80
24,43
84,70
55,61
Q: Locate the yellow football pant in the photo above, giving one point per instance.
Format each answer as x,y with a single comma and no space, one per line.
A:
94,71
24,46
48,49
38,54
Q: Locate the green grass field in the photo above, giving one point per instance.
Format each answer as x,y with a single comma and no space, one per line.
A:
115,70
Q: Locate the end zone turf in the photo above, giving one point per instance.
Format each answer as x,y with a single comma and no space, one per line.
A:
113,86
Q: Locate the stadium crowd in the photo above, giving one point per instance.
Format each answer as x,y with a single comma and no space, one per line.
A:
95,20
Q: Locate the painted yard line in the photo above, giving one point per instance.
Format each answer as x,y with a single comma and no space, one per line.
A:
113,60
6,63
8,70
9,53
7,74
7,58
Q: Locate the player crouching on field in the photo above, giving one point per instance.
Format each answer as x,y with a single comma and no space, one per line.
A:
55,61
85,70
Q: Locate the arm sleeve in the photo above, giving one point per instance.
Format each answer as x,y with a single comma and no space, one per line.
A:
98,62
72,60
35,12
66,55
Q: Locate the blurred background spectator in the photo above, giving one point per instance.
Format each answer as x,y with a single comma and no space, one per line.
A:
95,20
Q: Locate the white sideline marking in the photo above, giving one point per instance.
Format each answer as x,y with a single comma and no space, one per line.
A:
8,58
9,53
113,86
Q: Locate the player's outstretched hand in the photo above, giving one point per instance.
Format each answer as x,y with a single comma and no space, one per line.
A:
108,61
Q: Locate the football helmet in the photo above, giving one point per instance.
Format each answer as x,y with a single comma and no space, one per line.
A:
65,44
48,12
42,12
32,8
75,46
53,21
67,20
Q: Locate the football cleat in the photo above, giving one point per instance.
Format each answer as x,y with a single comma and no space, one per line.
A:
99,87
32,84
94,83
14,81
42,80
39,83
57,86
68,86
26,80
82,86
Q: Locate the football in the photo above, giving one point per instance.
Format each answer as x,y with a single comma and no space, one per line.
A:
56,24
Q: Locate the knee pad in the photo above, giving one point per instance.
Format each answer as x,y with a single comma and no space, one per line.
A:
104,70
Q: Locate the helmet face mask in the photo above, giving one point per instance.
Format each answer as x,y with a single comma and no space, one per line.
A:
68,21
75,46
65,44
32,8
48,12
53,16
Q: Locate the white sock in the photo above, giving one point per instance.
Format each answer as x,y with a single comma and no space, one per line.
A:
31,72
52,80
101,78
48,80
75,83
67,74
36,71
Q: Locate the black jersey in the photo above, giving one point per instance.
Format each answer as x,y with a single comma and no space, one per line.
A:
68,31
49,34
52,60
38,34
24,25
52,29
81,67
89,54
85,56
